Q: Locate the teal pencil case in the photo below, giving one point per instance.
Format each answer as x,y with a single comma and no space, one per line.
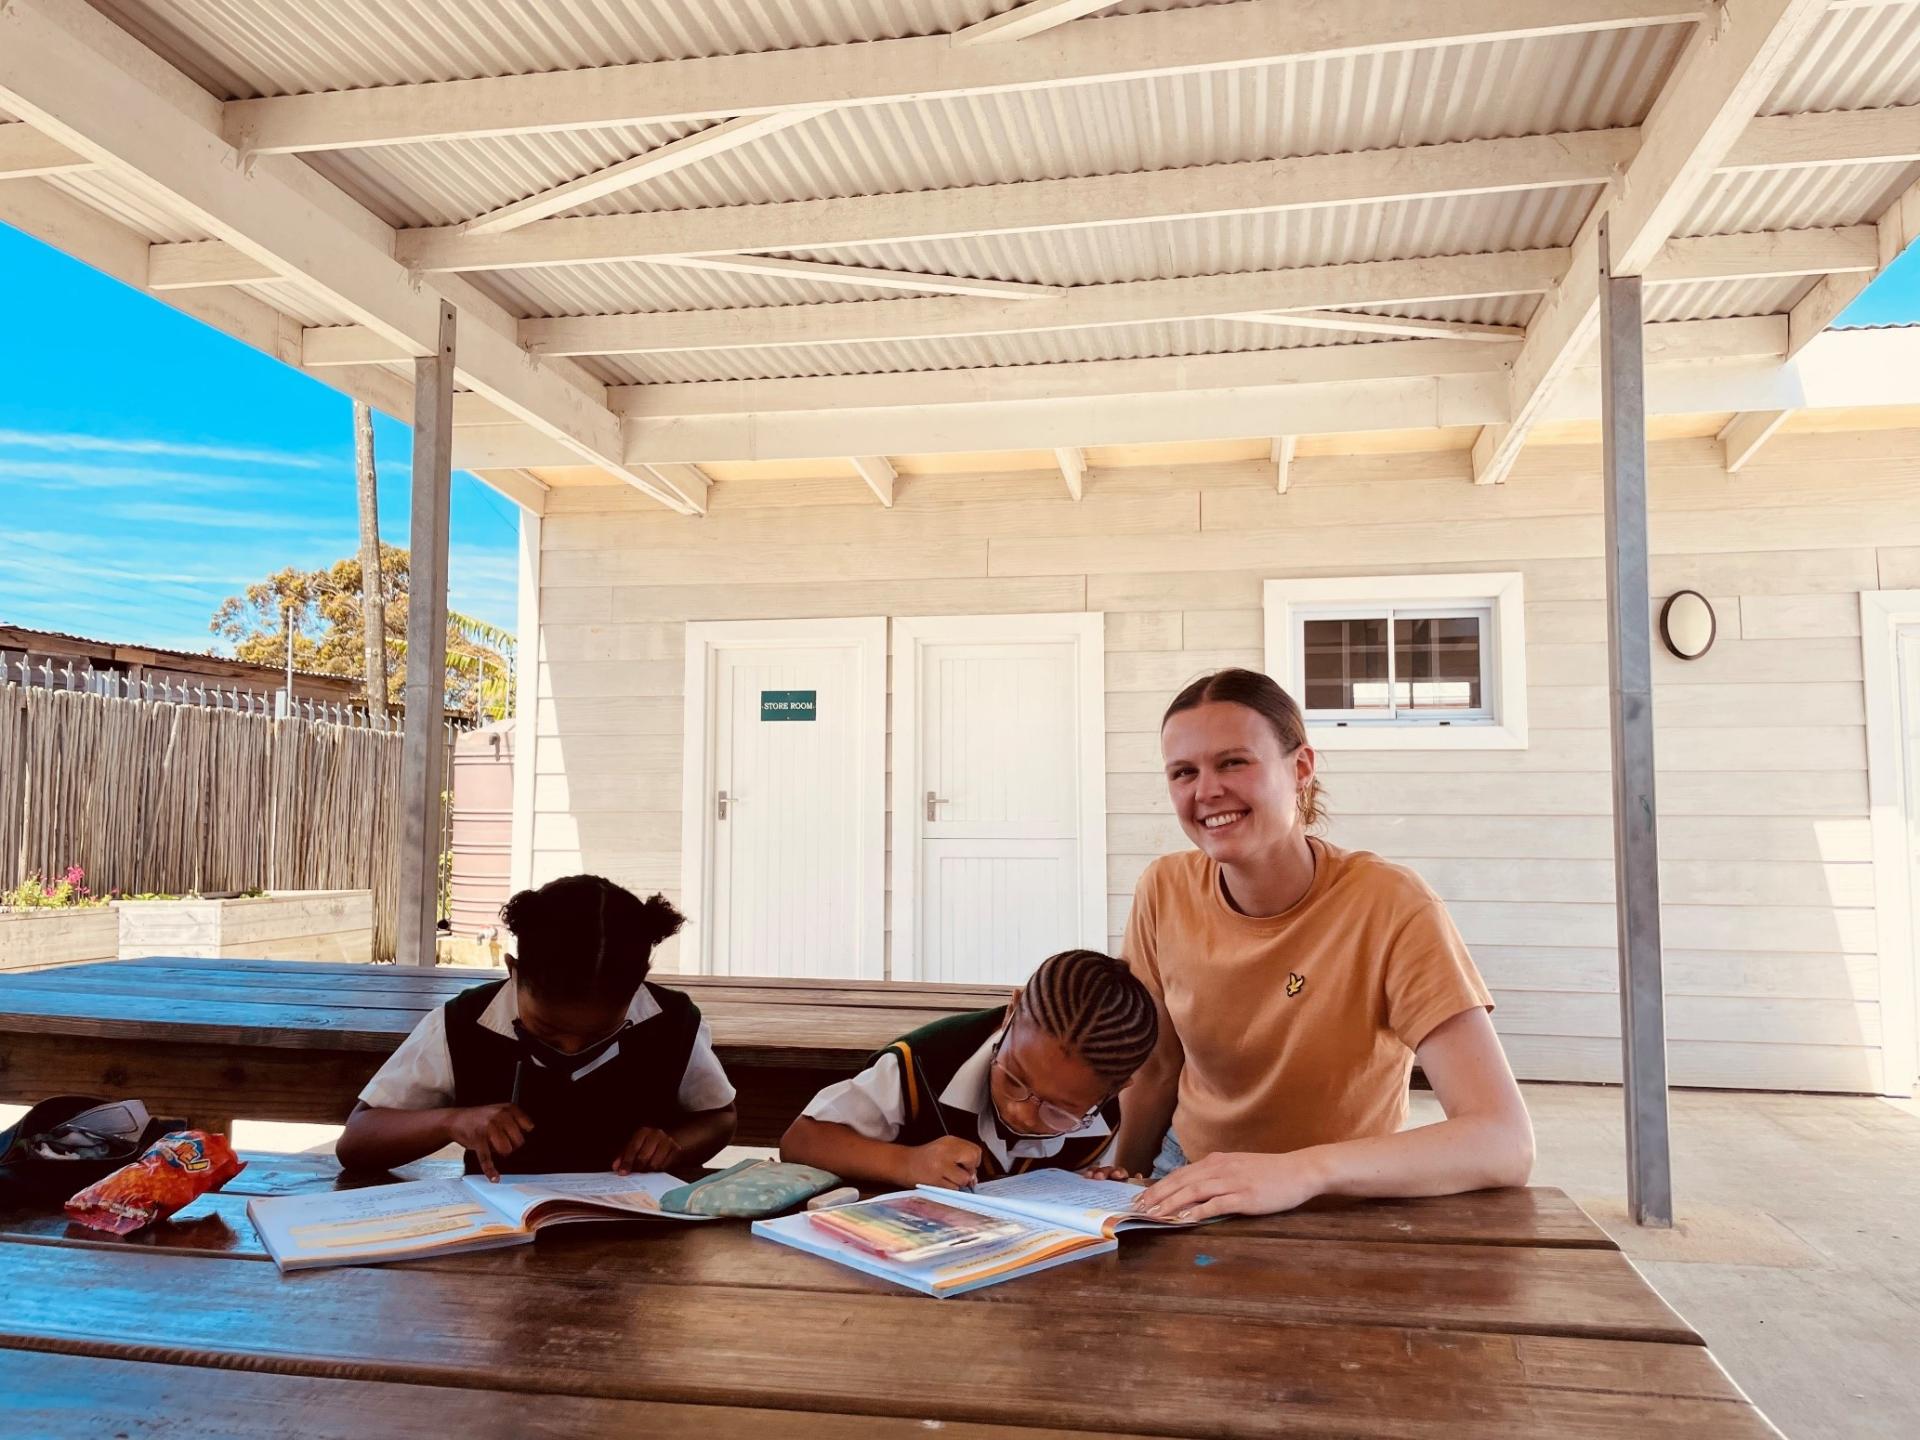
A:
751,1190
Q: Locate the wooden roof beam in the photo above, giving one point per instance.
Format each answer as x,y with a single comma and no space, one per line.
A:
1073,468
1395,325
25,153
1281,451
1033,18
1301,182
1741,437
1134,302
861,275
1721,78
663,160
1178,42
879,474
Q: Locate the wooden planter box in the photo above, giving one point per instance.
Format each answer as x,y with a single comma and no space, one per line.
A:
292,925
35,939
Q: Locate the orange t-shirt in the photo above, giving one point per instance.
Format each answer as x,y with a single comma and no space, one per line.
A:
1297,1029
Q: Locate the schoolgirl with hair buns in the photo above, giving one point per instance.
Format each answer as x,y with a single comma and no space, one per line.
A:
574,1062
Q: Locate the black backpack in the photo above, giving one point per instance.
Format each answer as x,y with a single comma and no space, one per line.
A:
63,1145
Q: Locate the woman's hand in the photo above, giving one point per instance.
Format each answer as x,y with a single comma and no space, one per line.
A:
1231,1184
1112,1172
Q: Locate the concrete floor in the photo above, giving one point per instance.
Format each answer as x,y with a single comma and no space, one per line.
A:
1796,1248
1796,1252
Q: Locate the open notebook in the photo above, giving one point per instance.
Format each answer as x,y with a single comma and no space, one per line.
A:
446,1217
1049,1217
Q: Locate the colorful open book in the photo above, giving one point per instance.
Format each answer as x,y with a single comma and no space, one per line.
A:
447,1217
1045,1218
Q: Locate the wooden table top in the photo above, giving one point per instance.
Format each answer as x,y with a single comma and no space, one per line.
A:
301,1005
1501,1314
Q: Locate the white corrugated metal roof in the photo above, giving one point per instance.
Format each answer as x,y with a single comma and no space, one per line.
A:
1860,57
1396,98
1858,60
244,48
1804,198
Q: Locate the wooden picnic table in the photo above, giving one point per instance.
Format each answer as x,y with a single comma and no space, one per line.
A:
1502,1314
295,1040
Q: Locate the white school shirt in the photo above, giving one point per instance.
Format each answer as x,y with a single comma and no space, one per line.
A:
419,1075
874,1104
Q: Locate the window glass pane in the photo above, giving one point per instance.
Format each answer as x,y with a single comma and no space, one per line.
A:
1346,664
1437,663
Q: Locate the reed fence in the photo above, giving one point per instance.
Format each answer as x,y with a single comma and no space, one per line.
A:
151,795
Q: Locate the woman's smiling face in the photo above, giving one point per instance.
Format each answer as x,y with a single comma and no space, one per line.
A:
1233,786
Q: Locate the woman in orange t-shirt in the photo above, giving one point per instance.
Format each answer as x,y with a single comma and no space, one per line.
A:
1296,983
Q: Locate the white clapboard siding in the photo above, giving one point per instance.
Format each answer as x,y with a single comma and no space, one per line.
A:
1765,839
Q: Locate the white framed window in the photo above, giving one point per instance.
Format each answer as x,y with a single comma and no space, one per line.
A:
1403,662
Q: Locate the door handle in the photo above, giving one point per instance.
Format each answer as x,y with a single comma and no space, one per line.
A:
933,801
723,801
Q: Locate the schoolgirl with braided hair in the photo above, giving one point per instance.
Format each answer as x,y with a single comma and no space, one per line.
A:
574,1062
1028,1085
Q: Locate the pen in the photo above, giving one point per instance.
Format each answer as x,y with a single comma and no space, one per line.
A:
927,1090
519,1072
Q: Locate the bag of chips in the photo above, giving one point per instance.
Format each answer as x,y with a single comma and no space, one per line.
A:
176,1170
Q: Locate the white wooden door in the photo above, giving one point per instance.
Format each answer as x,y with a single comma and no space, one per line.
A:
1002,769
792,803
1907,653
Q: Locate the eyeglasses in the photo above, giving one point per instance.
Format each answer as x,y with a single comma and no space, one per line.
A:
1058,1119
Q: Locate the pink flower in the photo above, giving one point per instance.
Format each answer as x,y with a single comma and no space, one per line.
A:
75,874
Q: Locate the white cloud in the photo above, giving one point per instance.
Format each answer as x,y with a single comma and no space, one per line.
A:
49,440
222,518
73,475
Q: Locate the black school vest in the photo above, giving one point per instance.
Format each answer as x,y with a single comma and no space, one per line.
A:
931,1056
578,1124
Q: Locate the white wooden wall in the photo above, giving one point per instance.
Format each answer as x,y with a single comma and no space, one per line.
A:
1772,977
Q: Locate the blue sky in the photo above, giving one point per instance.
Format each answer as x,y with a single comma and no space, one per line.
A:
150,466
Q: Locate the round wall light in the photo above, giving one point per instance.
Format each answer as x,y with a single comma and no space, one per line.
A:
1688,624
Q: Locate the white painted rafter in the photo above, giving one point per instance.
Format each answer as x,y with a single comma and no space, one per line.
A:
1296,183
1741,437
1033,18
88,84
1073,468
27,154
861,275
879,474
1708,101
688,481
625,174
1280,450
1207,39
1413,384
1395,325
1377,282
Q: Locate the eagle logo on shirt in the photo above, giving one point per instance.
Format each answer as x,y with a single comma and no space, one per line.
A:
1295,983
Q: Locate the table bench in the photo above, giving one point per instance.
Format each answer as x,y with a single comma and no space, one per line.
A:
1502,1314
293,1040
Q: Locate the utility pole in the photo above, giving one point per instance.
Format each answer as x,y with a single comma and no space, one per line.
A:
373,605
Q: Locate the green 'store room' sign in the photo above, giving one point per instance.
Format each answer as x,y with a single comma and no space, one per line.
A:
787,705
